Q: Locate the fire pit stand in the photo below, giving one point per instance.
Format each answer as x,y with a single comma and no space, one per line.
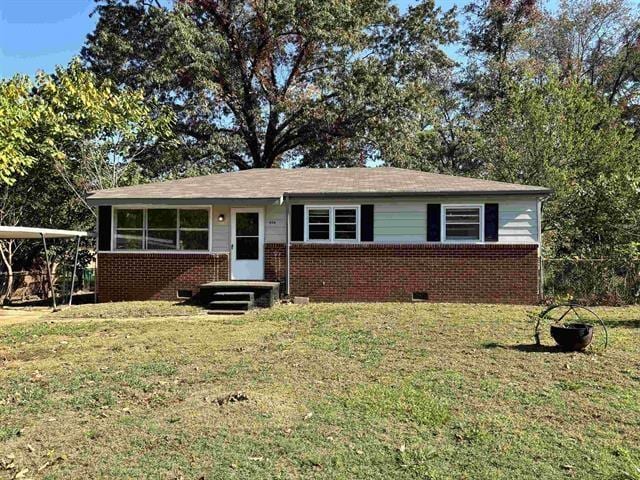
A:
571,326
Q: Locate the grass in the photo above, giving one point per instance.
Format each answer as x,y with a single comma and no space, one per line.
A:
131,309
334,391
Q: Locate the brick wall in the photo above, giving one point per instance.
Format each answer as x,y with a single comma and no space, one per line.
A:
275,263
156,276
447,273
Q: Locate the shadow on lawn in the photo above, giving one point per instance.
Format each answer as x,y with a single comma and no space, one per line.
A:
525,347
632,323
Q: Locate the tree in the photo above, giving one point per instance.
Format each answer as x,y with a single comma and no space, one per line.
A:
85,134
18,114
262,84
567,137
496,33
596,42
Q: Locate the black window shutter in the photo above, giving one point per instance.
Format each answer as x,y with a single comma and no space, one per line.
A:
366,223
490,222
104,228
433,222
297,223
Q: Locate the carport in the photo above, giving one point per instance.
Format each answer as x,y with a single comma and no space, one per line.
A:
34,233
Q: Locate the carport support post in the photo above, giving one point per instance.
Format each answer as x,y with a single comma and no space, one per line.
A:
46,258
75,266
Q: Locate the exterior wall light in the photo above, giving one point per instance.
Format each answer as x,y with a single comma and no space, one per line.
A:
221,217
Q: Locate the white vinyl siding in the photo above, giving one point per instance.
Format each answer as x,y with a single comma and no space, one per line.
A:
403,220
221,241
399,220
276,224
518,222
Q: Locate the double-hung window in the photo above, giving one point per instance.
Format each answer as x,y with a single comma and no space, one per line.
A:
462,223
332,223
162,229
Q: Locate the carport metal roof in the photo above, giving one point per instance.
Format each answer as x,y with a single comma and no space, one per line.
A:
19,233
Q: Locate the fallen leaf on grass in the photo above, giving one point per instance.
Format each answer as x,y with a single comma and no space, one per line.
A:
22,473
231,398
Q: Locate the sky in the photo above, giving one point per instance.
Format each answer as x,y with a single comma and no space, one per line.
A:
40,34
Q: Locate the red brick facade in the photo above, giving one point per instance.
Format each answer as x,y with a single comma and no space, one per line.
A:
343,273
447,273
156,276
275,263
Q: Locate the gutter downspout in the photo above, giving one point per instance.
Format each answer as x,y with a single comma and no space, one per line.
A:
288,276
540,259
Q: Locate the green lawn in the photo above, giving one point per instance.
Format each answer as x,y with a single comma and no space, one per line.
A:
332,391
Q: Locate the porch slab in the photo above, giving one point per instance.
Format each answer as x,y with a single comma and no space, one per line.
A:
241,283
266,294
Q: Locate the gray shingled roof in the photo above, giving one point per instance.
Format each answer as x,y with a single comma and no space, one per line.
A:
274,183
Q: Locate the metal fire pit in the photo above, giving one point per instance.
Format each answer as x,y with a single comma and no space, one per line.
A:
575,335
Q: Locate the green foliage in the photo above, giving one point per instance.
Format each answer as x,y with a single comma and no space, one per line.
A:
55,116
64,135
18,114
566,137
262,84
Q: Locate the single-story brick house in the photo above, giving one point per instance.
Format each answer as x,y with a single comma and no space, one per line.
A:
343,234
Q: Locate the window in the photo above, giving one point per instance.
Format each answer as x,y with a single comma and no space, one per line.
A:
332,224
194,229
346,223
129,232
162,229
247,236
462,223
319,223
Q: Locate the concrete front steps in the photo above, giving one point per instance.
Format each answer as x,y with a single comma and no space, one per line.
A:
238,297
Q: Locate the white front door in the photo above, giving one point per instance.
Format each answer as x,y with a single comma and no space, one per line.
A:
247,244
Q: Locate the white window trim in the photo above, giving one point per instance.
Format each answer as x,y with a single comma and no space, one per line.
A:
332,209
145,208
443,221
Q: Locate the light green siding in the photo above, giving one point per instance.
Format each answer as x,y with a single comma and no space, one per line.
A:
400,222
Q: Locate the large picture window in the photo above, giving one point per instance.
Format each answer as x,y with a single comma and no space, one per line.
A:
162,229
462,223
130,228
332,223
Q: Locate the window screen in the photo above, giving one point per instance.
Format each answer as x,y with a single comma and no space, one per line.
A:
319,223
462,223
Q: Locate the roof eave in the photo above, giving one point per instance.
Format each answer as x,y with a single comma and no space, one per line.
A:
101,201
532,193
